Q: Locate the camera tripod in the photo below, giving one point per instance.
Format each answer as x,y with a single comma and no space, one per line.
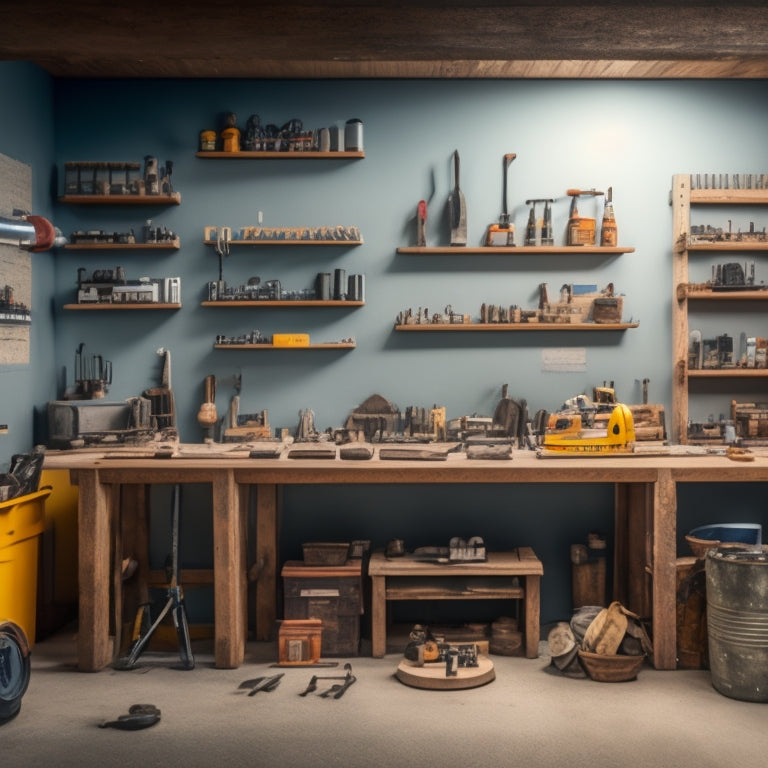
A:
143,630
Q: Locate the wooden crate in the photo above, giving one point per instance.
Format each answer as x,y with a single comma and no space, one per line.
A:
332,594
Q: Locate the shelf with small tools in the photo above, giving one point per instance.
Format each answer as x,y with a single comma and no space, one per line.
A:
731,286
171,245
272,155
523,327
282,303
103,307
512,250
728,373
326,345
174,198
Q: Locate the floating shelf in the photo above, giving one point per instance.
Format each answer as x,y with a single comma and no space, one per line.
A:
727,245
269,155
271,243
171,245
104,307
418,250
517,327
728,296
728,373
329,345
172,199
282,303
728,196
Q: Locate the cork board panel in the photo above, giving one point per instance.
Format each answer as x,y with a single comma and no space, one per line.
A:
15,267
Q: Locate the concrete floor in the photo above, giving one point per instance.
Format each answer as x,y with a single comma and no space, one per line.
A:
528,716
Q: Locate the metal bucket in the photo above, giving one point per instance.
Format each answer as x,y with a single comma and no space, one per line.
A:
737,621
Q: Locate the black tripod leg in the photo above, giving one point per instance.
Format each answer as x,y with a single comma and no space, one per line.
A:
182,630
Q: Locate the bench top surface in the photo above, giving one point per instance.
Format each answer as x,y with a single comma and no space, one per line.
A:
517,562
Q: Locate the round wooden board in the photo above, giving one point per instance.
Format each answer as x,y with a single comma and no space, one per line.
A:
432,676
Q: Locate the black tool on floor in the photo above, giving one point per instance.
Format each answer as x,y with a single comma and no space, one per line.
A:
337,690
139,716
257,684
174,604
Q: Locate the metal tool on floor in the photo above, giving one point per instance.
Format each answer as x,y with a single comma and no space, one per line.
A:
337,690
257,684
174,605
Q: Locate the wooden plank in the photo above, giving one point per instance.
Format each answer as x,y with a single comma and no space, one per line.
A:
93,525
681,214
664,569
421,250
435,592
378,616
267,506
567,327
229,566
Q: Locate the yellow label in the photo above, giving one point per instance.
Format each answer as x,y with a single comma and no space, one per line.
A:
290,339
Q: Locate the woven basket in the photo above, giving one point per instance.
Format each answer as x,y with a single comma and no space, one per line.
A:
611,668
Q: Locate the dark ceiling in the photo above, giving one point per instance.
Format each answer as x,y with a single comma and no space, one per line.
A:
385,39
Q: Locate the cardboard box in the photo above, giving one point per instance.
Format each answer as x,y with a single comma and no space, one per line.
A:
290,339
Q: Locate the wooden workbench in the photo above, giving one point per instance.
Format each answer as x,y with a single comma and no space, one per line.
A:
645,504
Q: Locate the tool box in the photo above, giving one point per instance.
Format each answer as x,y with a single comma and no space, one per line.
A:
332,594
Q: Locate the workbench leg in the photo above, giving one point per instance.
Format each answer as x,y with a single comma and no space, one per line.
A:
229,572
378,616
94,517
267,517
664,571
632,582
532,616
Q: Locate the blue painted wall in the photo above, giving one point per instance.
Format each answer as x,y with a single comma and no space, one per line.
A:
632,136
26,135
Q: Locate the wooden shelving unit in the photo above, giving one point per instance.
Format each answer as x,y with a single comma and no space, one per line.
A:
282,303
521,327
417,250
127,307
682,198
269,155
173,199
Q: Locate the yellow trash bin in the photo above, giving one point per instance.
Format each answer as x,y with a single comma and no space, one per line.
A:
21,525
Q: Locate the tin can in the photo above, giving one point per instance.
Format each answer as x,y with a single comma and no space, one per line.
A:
353,135
207,141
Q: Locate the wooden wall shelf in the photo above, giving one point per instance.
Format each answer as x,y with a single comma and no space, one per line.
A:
727,245
728,296
523,327
418,250
728,373
172,199
268,155
103,307
329,345
282,303
272,243
171,245
729,196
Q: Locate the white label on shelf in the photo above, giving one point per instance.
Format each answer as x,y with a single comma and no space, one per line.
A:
562,360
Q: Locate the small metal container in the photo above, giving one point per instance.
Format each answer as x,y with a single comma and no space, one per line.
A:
353,135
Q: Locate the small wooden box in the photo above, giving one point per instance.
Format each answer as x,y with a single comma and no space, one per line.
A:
300,641
325,553
332,594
